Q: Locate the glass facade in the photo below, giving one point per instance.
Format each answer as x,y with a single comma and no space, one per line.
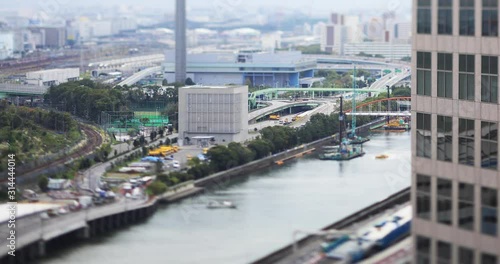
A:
489,79
489,210
466,134
445,138
424,73
423,135
466,79
423,250
445,18
467,14
424,21
443,252
445,75
465,255
456,206
466,206
488,259
444,202
489,145
490,18
423,206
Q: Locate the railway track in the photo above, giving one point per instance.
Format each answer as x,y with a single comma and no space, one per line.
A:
94,140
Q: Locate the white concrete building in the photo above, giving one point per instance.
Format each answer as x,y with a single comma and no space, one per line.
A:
102,28
6,44
402,32
220,112
53,76
340,30
386,49
455,116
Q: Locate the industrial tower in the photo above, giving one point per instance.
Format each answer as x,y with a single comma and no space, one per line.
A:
180,41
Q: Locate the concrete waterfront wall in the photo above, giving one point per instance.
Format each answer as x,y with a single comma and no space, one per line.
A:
224,176
51,239
400,197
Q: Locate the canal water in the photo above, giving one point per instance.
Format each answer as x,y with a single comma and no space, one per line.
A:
306,194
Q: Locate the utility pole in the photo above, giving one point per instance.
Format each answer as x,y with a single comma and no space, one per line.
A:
341,120
388,103
354,93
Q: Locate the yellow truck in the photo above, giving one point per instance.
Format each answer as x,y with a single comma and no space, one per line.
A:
274,117
163,151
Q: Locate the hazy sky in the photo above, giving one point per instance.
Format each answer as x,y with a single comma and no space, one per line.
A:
308,6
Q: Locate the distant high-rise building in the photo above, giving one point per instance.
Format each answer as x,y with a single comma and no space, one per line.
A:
340,30
402,31
180,41
455,116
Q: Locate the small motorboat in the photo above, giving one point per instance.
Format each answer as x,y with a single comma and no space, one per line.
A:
381,156
220,204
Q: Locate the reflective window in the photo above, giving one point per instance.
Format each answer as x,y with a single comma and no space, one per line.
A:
467,18
424,135
466,206
423,250
444,80
424,17
488,259
445,138
445,21
465,255
489,209
490,18
423,205
443,252
424,73
466,141
489,139
444,202
466,84
489,79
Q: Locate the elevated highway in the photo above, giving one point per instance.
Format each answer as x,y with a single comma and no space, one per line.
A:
276,106
136,77
8,89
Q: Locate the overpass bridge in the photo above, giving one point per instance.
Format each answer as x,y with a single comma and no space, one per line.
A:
394,106
272,93
276,106
9,89
130,64
136,77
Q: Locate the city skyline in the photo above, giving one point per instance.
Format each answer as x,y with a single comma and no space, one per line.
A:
314,7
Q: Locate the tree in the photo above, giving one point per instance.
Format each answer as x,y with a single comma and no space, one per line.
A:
260,147
152,135
43,183
189,81
164,82
194,162
157,187
243,154
222,158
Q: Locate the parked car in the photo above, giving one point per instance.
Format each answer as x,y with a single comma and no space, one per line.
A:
30,195
176,164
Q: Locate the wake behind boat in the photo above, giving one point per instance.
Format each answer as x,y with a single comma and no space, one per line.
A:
220,204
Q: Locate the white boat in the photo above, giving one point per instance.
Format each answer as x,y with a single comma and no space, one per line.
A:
220,204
